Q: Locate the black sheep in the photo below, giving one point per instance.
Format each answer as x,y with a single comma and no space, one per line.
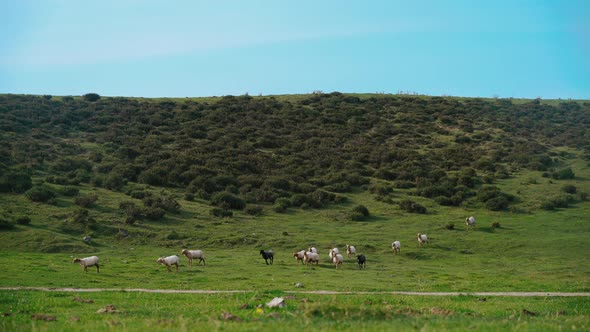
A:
361,259
267,255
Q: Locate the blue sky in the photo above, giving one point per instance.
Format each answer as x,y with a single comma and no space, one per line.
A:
195,48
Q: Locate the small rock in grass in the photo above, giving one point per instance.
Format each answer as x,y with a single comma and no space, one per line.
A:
109,308
528,313
47,318
277,302
299,285
229,316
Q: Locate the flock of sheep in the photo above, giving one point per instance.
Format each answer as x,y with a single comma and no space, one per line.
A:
309,256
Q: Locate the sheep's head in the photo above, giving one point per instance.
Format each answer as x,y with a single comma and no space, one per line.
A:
183,252
77,260
160,260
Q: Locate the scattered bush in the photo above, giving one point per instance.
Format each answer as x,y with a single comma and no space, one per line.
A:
561,201
23,220
189,197
221,213
496,224
450,226
281,205
6,224
40,194
227,200
362,210
91,97
86,201
563,174
16,182
497,203
569,189
153,213
69,191
412,207
254,210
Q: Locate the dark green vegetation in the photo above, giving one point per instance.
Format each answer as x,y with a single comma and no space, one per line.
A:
233,175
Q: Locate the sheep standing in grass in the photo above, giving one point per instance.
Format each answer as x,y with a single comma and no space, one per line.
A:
350,250
396,246
88,262
332,252
470,222
192,254
362,261
169,261
300,256
422,239
268,256
337,259
311,257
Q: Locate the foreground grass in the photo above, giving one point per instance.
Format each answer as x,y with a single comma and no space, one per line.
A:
35,311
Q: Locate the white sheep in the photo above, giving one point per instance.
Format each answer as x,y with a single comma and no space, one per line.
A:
311,257
422,239
332,252
396,246
169,261
336,258
88,262
470,222
192,254
300,256
350,250
312,249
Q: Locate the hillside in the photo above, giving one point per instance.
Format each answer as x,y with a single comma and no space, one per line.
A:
95,165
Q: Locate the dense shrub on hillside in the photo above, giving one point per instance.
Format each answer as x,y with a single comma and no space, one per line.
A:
23,220
165,203
86,201
228,200
264,148
69,191
40,194
563,174
494,198
91,97
6,224
15,182
560,201
412,207
569,189
221,213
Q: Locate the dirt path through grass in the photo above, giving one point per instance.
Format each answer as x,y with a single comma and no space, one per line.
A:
320,292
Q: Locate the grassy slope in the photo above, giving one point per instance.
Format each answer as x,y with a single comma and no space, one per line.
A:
536,251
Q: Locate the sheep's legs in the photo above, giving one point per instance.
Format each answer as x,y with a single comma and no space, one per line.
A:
97,271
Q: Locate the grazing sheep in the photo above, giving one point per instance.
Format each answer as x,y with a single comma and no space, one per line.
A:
350,250
87,239
169,261
311,257
192,254
267,255
396,246
88,262
470,222
362,261
336,258
300,255
312,249
422,239
332,252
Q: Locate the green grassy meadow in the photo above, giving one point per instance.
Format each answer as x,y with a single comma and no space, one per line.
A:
532,250
46,311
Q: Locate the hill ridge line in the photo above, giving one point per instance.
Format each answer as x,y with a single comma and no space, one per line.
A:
319,292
